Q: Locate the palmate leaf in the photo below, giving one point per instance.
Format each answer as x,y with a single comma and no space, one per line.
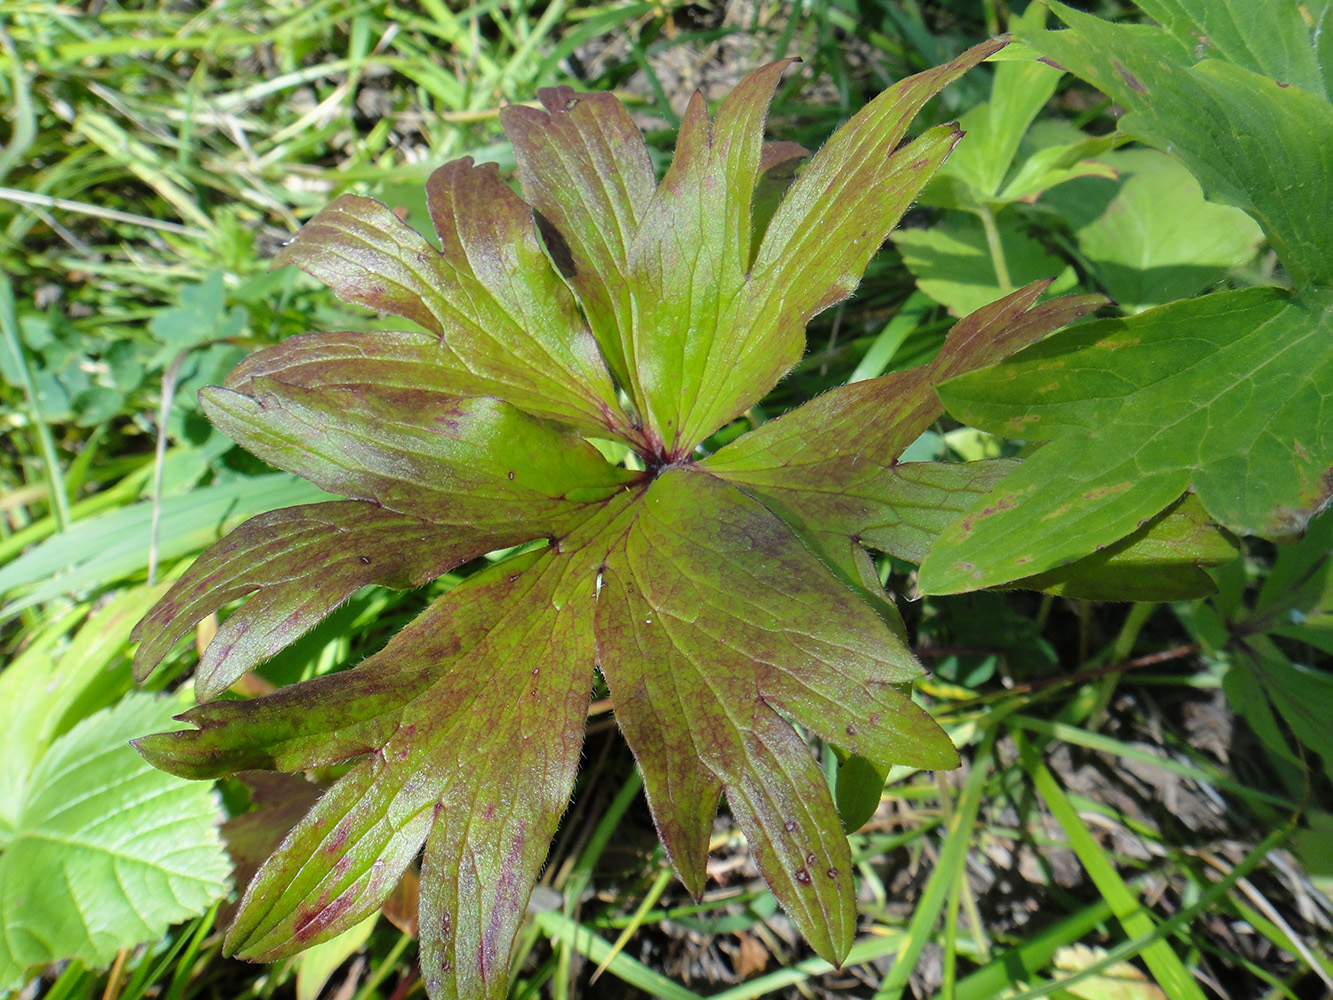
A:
729,603
701,322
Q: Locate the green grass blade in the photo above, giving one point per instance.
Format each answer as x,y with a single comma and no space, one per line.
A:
1138,922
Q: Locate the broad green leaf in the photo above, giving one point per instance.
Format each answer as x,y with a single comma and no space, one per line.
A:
1272,38
715,626
475,461
299,563
505,323
1252,140
1164,560
953,262
1145,256
105,852
1226,395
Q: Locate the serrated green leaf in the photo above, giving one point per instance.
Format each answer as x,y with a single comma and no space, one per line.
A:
105,852
1272,38
1226,395
56,681
505,322
1252,140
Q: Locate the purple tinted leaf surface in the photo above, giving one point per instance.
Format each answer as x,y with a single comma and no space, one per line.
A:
730,603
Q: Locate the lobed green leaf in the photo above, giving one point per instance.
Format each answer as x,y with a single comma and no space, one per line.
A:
506,325
475,462
1226,395
715,625
1251,138
298,564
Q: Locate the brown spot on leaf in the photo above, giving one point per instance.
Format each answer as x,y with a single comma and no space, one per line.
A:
1102,492
1131,81
832,873
802,876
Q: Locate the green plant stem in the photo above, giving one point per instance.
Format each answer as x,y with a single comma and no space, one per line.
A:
169,379
378,973
996,249
10,331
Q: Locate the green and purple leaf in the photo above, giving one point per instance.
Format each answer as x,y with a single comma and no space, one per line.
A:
716,629
729,603
299,563
475,462
831,466
506,325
